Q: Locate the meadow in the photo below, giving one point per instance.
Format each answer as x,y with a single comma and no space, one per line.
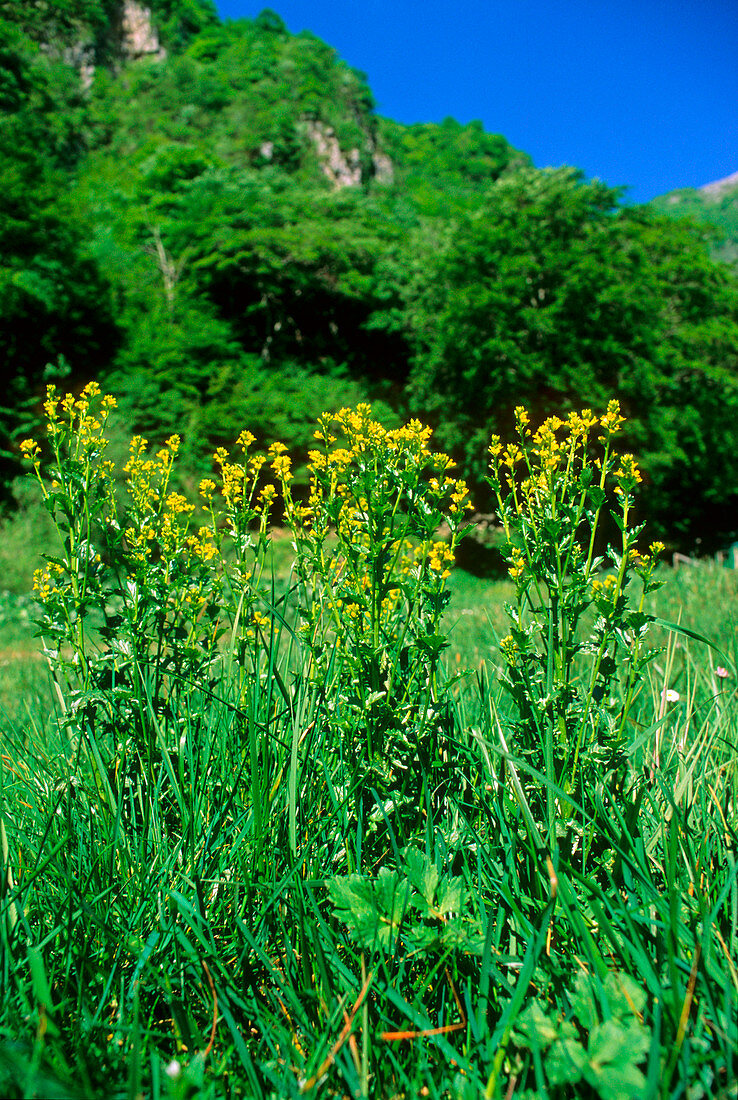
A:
326,815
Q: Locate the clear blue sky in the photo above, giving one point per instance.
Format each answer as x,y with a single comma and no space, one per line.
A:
635,92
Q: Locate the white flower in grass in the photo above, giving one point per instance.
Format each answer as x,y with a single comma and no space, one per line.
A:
173,1070
671,695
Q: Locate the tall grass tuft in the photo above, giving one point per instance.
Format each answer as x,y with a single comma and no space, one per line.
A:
272,839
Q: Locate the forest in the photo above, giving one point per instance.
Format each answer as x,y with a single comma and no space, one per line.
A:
226,233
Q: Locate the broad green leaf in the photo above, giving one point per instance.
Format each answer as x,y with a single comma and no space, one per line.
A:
422,873
451,896
565,1061
626,997
536,1025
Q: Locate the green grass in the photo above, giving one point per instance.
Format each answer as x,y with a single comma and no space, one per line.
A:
239,912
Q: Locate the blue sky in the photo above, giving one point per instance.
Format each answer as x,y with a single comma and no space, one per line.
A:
638,92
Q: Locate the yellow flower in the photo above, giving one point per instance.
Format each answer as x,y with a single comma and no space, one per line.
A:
255,463
459,498
51,402
281,466
512,455
91,390
627,475
178,505
245,439
522,419
612,420
517,565
30,450
605,588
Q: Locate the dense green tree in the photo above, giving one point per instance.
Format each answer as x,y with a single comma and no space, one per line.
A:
54,303
61,24
174,227
551,295
447,166
180,21
716,207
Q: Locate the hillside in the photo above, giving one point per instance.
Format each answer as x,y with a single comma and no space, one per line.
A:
212,218
715,204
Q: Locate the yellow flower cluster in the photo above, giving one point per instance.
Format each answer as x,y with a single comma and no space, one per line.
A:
581,424
160,520
282,467
509,649
233,477
605,588
627,475
441,556
238,482
393,453
31,451
74,424
365,538
644,564
413,438
517,563
612,421
45,580
201,545
558,448
147,478
245,440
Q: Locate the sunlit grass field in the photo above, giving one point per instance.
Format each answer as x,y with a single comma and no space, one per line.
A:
298,1028
352,870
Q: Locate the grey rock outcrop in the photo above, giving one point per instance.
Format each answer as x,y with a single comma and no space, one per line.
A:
139,37
345,169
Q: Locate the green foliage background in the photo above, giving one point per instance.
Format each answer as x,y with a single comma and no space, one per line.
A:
171,230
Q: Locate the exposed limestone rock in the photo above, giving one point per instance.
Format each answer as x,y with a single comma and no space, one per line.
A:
384,169
133,36
343,170
81,56
138,34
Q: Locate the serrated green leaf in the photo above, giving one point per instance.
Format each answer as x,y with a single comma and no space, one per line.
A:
626,997
617,1082
372,911
451,896
565,1061
536,1025
583,1003
422,874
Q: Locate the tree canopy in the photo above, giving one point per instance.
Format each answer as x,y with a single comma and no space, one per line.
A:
233,227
